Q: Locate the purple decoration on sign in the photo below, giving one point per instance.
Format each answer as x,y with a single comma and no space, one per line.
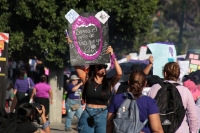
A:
140,61
171,51
82,21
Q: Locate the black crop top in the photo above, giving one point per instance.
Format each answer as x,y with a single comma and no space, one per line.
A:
94,96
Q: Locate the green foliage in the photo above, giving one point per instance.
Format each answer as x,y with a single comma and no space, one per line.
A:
37,27
129,22
169,22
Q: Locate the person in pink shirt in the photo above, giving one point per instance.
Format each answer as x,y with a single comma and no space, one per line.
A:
194,89
171,74
43,94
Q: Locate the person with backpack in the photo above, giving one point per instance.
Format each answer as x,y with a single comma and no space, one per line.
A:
174,102
141,114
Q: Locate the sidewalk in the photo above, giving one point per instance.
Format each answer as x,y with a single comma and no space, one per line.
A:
60,127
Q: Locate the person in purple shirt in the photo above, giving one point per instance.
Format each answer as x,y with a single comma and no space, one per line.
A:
22,87
73,100
146,105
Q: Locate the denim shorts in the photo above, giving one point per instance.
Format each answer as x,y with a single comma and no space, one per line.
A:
99,121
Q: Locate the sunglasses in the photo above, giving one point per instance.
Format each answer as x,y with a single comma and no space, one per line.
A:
102,66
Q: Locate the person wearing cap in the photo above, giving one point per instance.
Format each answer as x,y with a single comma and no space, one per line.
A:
73,102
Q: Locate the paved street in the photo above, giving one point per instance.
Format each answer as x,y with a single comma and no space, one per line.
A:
59,127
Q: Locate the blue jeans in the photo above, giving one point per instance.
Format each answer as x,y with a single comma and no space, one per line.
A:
70,113
99,120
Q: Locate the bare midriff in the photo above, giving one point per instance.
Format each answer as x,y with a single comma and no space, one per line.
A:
96,106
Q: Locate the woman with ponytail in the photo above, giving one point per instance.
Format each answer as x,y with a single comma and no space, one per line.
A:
146,105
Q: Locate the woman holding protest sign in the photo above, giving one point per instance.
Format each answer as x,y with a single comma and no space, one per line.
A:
96,94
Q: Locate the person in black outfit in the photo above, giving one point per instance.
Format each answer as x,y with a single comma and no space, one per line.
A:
96,94
26,114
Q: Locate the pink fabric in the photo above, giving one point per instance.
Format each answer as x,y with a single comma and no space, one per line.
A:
46,72
42,90
198,113
193,89
189,105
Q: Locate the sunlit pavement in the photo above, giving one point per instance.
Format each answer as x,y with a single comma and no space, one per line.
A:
60,127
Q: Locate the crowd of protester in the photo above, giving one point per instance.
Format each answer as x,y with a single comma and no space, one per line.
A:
96,89
26,88
103,96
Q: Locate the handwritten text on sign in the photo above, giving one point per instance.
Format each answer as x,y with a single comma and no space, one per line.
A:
86,39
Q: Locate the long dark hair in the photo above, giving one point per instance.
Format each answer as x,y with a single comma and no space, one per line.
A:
43,78
22,73
137,81
105,83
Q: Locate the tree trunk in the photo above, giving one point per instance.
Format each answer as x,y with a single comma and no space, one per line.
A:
56,83
2,91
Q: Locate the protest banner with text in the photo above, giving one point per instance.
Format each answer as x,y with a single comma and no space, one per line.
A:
89,35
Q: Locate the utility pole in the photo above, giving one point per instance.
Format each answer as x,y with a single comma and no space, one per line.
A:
181,27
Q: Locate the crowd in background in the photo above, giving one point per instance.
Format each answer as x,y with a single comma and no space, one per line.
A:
103,96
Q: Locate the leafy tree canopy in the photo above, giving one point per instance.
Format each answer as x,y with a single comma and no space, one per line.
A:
36,27
167,22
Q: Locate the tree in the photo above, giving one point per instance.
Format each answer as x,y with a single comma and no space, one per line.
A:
37,27
130,20
170,20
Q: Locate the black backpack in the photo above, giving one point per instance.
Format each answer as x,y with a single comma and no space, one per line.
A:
169,102
8,121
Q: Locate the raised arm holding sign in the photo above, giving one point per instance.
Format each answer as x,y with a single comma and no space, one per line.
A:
88,40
